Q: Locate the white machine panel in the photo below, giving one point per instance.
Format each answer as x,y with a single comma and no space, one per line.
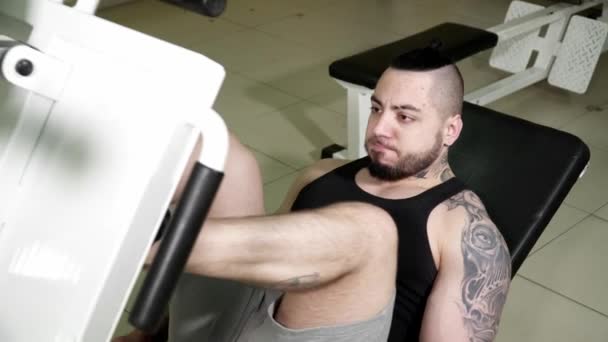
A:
87,169
513,55
578,54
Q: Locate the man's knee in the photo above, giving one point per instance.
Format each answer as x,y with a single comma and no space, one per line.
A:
376,271
241,191
366,249
374,230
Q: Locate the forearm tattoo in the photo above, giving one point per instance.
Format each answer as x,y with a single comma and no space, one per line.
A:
487,269
298,283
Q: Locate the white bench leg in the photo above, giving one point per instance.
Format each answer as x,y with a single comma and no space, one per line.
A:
358,103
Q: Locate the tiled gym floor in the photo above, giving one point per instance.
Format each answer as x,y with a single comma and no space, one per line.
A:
279,99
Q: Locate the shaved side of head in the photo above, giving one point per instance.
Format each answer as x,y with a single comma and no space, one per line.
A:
448,85
448,90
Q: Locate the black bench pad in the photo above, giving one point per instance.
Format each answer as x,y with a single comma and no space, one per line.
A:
522,171
458,42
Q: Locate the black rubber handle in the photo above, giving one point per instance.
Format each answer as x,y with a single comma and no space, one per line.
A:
174,249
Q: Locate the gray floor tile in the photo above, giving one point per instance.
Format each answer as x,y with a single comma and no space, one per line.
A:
533,313
274,193
574,264
591,191
295,135
565,218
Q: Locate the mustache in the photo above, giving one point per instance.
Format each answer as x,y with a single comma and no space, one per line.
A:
381,141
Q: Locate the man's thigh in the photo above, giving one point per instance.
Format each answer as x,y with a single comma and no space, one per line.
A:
209,309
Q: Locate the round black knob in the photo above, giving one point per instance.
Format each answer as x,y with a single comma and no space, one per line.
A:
24,67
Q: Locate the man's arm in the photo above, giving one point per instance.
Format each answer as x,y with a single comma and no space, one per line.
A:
474,275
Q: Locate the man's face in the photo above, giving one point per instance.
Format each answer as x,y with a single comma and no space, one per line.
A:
405,130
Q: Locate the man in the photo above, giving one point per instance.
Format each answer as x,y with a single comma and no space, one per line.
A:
337,256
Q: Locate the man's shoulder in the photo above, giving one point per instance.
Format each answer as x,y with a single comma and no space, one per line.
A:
461,206
466,199
460,211
466,217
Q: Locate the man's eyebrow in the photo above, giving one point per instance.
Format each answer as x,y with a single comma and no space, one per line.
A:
408,107
402,107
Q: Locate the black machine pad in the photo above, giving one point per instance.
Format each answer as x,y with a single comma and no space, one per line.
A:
457,42
522,171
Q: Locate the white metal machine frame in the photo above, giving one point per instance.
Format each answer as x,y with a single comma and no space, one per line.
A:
97,124
566,48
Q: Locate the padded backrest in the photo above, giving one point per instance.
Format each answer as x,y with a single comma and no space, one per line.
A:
522,171
457,42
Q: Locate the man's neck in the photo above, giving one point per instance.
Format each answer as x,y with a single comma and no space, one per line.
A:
435,174
439,171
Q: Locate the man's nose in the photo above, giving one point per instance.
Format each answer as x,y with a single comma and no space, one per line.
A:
382,125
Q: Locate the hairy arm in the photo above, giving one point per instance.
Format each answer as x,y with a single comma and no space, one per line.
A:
473,279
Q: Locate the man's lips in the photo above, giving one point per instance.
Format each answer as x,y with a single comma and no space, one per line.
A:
379,147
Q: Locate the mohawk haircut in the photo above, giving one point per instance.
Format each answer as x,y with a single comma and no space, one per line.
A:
448,84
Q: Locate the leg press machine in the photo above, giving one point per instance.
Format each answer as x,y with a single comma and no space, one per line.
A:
98,123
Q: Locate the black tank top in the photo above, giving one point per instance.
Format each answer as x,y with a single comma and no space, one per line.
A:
416,269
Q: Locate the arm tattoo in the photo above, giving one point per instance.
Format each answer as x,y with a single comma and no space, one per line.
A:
298,283
487,269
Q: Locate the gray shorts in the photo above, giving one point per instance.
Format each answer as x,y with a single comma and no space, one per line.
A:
214,310
262,327
211,310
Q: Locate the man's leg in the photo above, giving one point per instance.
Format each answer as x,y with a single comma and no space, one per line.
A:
203,307
356,295
214,309
241,192
337,272
336,265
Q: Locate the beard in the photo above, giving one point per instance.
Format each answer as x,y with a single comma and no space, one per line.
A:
407,165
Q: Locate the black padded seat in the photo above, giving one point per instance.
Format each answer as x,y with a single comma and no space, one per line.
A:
457,42
522,171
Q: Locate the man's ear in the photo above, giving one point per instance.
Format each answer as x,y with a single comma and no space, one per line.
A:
453,127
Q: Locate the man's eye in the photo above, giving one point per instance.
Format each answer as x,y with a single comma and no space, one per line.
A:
405,118
375,109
